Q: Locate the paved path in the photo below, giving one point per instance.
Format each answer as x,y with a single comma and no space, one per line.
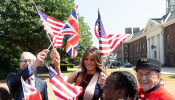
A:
164,70
168,70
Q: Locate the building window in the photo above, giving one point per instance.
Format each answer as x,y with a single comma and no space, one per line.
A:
168,61
140,48
126,47
168,42
174,40
143,49
126,54
168,3
133,50
151,26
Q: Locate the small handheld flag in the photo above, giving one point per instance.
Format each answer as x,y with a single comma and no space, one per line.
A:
71,32
62,89
51,26
30,92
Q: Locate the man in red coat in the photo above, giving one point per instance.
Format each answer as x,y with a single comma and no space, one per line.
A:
148,77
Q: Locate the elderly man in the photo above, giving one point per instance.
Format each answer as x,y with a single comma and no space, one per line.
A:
28,63
148,77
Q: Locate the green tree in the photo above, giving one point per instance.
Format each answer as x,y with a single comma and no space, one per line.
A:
21,29
21,25
9,59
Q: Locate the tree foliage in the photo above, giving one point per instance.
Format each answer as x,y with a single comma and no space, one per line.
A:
21,29
21,24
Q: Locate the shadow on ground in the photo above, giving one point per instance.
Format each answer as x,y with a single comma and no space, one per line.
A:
172,76
3,81
45,75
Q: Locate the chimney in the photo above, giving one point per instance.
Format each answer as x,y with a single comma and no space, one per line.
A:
128,30
136,29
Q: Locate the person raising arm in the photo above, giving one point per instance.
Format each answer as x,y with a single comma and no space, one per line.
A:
89,77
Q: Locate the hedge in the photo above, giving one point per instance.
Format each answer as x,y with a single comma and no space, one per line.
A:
43,69
65,66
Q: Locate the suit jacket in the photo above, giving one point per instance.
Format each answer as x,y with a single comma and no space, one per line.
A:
15,86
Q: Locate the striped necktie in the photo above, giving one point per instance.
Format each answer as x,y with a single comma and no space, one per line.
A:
30,80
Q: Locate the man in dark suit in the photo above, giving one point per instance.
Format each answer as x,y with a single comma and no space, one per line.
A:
28,63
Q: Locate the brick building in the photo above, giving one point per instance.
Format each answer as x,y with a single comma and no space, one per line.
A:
133,48
169,41
137,49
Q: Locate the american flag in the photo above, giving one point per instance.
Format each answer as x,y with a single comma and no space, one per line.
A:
62,89
52,26
71,32
30,92
107,43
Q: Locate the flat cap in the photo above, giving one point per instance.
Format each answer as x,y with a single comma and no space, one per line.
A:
148,63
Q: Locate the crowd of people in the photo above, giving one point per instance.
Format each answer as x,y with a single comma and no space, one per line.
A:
96,83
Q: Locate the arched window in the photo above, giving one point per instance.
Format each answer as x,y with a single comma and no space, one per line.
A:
143,48
168,6
168,3
168,42
174,40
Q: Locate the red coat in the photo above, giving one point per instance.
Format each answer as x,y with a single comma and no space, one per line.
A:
158,94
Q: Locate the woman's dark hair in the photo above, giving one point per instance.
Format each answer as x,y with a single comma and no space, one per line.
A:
97,57
4,94
125,80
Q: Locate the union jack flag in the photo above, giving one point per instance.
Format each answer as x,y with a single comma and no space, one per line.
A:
52,26
71,32
62,89
30,92
107,42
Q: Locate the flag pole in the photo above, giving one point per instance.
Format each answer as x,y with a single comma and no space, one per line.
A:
50,41
102,62
100,36
49,46
22,80
46,32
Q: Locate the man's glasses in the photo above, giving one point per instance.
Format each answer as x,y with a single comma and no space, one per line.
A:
147,75
27,61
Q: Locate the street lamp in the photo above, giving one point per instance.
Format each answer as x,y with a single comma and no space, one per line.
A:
152,46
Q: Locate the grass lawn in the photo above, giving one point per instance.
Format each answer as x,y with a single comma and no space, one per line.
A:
169,81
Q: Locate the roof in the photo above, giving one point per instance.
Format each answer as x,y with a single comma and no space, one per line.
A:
137,34
158,20
165,18
171,17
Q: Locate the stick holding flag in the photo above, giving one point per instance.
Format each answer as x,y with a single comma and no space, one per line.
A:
51,43
30,92
51,26
107,42
103,43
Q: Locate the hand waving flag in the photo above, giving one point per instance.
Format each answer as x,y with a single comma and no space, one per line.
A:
71,32
30,92
62,89
52,26
107,43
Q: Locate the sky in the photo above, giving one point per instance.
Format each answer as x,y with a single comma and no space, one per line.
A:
117,15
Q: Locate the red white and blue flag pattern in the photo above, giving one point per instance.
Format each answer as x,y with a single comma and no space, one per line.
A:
107,42
52,26
30,92
71,32
62,89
